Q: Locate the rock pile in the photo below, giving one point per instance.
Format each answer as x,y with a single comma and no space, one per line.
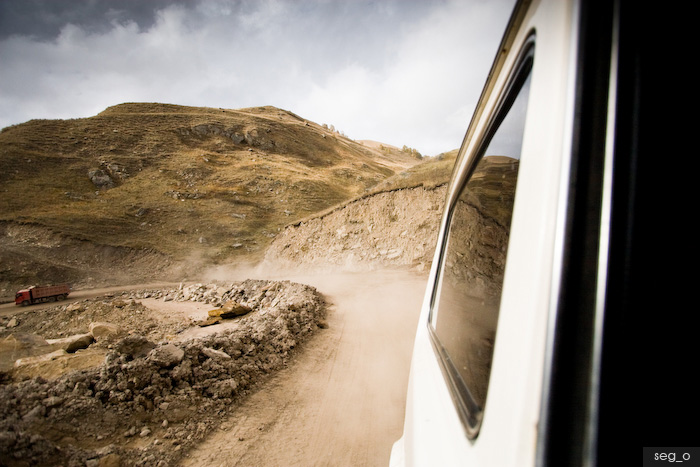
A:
396,229
150,401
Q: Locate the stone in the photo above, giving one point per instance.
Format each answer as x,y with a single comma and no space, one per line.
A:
79,342
100,179
210,321
166,356
13,323
52,401
102,330
394,253
75,307
73,343
213,353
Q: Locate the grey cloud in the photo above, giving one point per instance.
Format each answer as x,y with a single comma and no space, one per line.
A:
44,19
402,72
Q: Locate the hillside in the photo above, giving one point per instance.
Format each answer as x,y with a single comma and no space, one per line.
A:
153,190
145,376
394,225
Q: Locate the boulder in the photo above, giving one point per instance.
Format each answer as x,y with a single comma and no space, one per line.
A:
102,330
71,344
79,342
166,356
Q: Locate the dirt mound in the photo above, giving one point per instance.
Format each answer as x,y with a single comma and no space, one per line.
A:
151,399
388,229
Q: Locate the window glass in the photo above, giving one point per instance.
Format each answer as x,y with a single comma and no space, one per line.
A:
465,310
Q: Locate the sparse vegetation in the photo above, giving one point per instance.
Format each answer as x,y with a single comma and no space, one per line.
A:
431,172
179,181
412,152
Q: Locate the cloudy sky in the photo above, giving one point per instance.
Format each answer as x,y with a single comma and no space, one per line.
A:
403,72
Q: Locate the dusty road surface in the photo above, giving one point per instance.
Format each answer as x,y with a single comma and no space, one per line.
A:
342,400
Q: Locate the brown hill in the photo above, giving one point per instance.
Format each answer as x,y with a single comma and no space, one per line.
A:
395,224
143,187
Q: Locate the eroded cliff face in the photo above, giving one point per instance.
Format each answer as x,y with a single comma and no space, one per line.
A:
389,229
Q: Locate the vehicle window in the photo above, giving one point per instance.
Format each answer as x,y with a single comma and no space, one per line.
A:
464,316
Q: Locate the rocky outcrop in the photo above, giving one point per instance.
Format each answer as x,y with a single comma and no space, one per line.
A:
394,229
100,179
107,175
239,135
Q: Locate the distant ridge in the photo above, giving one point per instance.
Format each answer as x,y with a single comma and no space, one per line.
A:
172,182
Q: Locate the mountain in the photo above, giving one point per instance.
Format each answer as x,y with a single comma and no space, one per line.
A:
141,188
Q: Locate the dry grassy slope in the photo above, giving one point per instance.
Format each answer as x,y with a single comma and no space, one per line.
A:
217,184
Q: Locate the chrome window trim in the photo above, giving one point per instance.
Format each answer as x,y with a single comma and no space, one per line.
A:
604,252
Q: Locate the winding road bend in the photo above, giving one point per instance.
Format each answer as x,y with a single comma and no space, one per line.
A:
341,401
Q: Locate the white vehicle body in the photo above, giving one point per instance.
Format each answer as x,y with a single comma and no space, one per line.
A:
535,413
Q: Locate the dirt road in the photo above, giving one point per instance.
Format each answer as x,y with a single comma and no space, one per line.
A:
7,309
342,400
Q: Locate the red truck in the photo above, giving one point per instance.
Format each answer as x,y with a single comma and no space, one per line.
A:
40,293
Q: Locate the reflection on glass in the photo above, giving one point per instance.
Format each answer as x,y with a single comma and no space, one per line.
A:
465,314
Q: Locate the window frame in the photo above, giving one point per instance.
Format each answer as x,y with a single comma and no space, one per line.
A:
470,413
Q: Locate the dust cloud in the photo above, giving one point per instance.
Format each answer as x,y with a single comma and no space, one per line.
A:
342,402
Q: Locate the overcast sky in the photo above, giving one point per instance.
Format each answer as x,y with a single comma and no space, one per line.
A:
402,72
